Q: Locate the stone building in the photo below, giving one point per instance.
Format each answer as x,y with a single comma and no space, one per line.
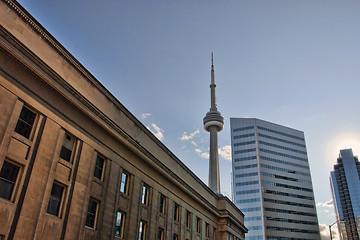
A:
76,164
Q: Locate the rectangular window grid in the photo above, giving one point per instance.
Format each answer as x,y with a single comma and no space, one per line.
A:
145,193
120,225
124,183
142,230
25,122
55,200
99,167
91,213
67,147
8,176
162,204
176,213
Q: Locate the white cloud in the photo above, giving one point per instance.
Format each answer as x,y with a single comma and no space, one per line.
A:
225,152
201,153
205,155
198,150
194,143
187,137
145,115
329,204
325,232
157,131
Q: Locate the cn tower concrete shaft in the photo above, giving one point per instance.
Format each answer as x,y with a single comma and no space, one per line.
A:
214,176
213,123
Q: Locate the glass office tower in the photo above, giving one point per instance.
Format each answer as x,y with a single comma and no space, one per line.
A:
271,181
345,187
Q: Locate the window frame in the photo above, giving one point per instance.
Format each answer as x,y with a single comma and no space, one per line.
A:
60,200
15,183
121,226
198,225
102,169
70,160
162,204
188,219
94,214
207,230
142,230
145,195
161,234
176,212
33,126
125,184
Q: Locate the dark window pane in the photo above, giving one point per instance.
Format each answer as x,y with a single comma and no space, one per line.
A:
25,122
176,213
55,199
65,153
99,167
8,176
162,204
91,214
67,147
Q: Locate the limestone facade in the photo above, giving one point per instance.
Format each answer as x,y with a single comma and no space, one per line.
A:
76,164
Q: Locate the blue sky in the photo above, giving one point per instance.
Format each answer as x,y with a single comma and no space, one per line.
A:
294,63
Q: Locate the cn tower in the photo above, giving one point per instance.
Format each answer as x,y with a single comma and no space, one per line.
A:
213,123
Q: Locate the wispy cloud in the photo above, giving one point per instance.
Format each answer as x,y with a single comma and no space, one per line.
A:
329,204
145,115
186,136
205,155
202,153
157,131
198,150
225,152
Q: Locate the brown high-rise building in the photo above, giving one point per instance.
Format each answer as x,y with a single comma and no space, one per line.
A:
76,164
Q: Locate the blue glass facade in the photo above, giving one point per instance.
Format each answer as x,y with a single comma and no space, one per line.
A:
345,186
271,181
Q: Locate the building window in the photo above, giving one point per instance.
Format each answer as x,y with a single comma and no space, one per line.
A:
26,122
99,167
198,225
120,225
91,213
55,200
188,219
124,188
175,237
67,147
207,229
142,230
145,195
160,235
8,176
176,213
162,204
